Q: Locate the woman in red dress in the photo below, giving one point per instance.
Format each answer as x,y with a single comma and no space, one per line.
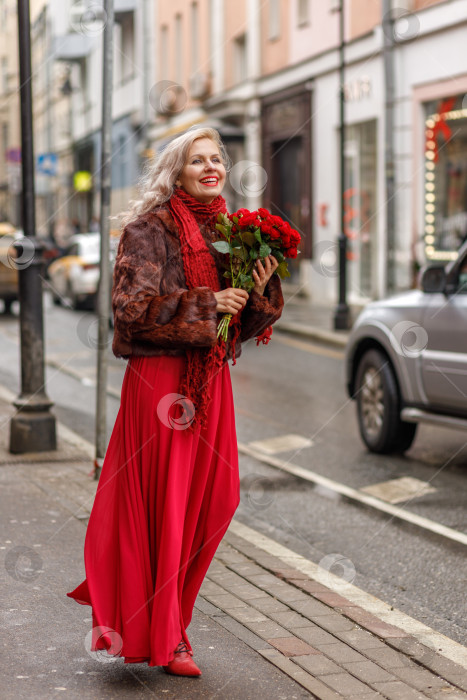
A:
169,485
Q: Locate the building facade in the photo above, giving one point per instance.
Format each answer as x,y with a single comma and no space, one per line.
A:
267,76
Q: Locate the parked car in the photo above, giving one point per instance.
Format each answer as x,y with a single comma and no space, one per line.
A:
8,272
74,277
406,359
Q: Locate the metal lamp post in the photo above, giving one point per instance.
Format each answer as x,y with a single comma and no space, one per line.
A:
342,312
32,429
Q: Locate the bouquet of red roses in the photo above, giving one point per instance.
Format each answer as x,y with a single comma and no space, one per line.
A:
247,237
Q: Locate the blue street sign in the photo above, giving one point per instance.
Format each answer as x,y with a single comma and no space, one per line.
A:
46,163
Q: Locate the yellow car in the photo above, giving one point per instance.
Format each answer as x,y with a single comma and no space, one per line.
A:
8,271
74,278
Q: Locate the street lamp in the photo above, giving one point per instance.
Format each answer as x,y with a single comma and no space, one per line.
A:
32,428
342,312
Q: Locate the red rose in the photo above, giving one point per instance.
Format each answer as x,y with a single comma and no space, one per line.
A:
249,219
264,214
291,253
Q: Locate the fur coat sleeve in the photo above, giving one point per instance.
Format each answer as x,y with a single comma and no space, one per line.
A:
155,313
152,306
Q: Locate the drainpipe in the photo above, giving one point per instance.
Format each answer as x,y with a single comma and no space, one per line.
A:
388,61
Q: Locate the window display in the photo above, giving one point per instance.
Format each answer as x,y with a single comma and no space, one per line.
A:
445,199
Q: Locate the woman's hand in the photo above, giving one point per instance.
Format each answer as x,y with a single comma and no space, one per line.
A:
263,274
231,300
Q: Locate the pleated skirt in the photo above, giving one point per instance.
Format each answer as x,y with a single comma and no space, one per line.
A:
165,498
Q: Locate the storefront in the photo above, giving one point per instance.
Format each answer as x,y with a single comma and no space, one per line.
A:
286,132
445,195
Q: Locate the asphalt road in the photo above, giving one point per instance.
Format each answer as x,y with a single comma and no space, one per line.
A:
295,387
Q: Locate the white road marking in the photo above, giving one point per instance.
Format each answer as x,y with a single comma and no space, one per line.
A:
355,495
433,640
281,443
399,490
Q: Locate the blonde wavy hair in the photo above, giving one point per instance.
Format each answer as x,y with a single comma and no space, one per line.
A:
158,182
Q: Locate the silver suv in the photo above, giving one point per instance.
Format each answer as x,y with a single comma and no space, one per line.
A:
406,359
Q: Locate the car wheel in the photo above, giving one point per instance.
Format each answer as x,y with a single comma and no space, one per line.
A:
70,297
378,406
7,306
56,300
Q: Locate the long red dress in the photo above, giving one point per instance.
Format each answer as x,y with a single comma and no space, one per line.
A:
165,498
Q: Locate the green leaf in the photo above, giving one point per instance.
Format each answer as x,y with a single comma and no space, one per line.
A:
228,274
264,250
248,238
222,229
283,270
258,235
278,255
241,254
245,281
222,247
253,253
235,219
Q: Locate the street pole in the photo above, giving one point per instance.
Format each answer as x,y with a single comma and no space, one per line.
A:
342,312
103,301
388,59
32,429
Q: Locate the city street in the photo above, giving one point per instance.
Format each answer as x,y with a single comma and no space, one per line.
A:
295,387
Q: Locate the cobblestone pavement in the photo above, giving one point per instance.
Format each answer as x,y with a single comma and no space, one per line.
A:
302,637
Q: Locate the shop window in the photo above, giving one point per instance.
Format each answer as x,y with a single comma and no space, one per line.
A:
240,59
360,208
303,12
274,20
445,186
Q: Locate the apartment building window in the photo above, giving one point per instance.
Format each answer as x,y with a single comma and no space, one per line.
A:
303,12
194,37
128,48
274,19
178,46
164,49
239,62
4,141
4,74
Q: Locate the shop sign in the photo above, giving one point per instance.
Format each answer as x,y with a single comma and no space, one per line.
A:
357,89
82,181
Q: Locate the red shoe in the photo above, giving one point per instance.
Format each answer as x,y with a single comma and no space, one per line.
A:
182,664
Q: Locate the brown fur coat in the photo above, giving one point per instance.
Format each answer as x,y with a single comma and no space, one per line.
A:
154,312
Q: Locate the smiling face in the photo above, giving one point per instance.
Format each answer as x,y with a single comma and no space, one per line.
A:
203,175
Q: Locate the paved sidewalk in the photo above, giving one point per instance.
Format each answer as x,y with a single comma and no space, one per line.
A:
267,623
311,320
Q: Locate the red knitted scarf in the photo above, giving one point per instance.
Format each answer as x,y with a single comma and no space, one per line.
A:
200,271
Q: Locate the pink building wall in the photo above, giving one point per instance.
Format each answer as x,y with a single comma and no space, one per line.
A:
235,24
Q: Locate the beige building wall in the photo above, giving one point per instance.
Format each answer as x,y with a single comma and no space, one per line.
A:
421,4
183,52
235,28
364,16
275,48
10,130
